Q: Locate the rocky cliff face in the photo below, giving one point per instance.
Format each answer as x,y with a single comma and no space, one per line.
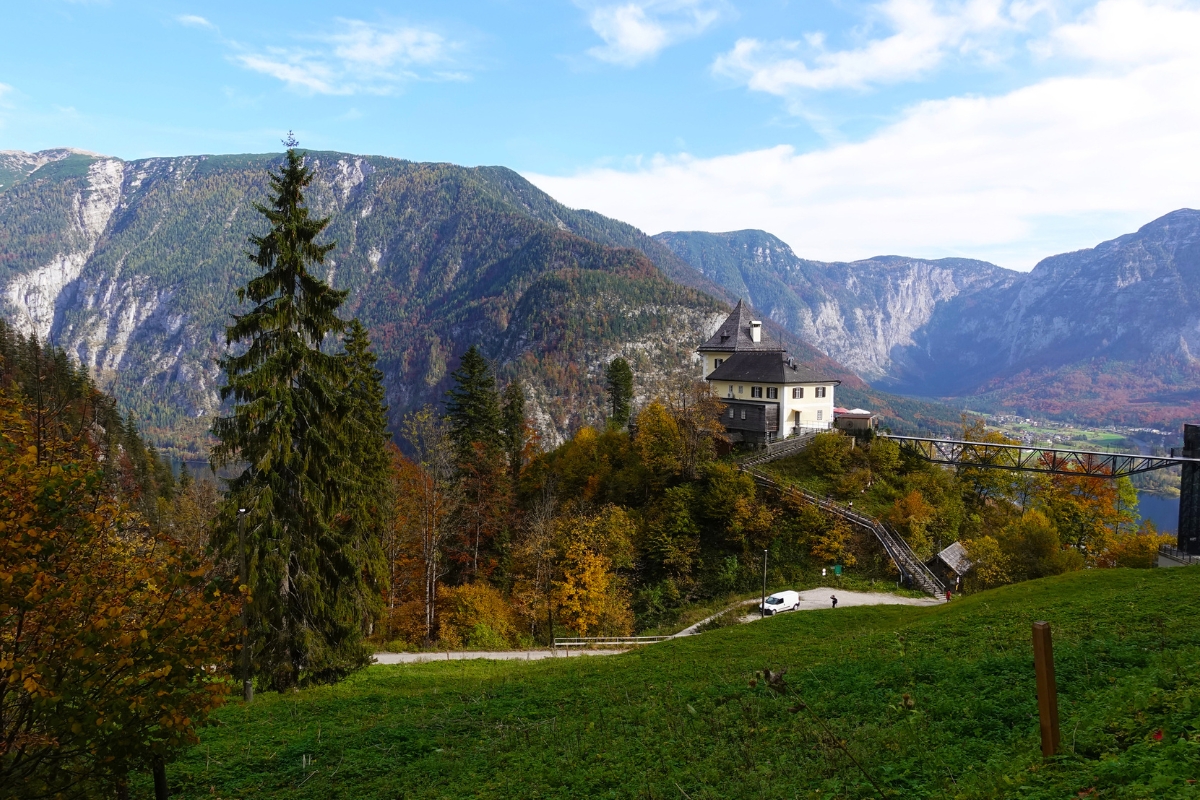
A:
862,313
131,267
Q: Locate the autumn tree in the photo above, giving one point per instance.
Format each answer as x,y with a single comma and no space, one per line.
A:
830,544
591,595
311,560
697,414
658,443
112,637
424,505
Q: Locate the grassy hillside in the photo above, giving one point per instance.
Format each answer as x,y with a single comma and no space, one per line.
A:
931,702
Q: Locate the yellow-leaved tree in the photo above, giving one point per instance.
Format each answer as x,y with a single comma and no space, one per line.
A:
113,640
591,595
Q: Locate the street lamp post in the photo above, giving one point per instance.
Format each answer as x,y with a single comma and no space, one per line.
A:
762,609
247,680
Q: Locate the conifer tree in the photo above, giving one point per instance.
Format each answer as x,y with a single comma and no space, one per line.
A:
619,377
287,428
473,409
512,415
368,470
474,419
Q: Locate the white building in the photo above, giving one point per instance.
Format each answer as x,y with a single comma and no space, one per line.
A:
767,395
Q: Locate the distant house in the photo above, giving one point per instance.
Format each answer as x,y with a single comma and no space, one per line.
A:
854,419
951,564
767,394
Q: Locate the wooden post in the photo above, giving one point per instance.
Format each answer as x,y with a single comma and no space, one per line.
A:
1047,688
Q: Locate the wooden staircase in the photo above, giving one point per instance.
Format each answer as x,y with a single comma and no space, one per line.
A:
913,571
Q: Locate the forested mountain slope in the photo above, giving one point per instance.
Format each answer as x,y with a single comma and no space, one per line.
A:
132,266
1106,335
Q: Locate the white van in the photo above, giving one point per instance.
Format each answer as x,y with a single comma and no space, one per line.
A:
781,601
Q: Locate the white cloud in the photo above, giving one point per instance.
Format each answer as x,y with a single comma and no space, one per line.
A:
194,21
636,31
5,89
360,58
923,34
1046,168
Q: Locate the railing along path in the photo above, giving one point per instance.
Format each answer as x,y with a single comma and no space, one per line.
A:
912,569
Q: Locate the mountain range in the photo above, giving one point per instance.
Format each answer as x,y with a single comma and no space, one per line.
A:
1105,335
132,266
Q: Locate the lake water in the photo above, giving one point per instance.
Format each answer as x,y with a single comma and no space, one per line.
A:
1162,511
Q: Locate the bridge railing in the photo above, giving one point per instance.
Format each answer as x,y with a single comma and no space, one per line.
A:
606,641
911,568
1028,458
1175,554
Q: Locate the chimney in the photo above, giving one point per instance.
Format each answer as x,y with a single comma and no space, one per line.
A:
755,330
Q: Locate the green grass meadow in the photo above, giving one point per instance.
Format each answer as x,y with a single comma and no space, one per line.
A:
891,701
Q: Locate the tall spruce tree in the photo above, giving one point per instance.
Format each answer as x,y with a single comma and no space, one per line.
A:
473,409
306,566
512,421
368,472
619,377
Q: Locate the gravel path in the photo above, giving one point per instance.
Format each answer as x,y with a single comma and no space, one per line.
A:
815,599
810,600
493,655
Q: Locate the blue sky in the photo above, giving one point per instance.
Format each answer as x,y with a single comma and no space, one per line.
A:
1000,129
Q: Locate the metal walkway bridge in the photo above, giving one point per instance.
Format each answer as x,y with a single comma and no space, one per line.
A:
1026,458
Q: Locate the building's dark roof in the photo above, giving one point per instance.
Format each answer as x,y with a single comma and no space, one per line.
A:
734,335
955,557
765,368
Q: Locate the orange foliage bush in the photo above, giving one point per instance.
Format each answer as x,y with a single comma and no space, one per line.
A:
111,638
1134,550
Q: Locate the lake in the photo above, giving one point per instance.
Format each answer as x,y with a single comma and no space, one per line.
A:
1162,511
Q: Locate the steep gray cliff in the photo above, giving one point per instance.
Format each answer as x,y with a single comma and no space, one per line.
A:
1108,334
863,314
131,267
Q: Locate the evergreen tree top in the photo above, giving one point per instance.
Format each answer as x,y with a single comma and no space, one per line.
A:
473,408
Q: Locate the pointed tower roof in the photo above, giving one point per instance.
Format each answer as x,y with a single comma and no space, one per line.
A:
733,335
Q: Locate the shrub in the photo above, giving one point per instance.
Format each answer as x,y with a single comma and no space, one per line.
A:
476,615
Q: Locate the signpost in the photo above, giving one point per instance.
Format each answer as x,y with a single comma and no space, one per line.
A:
1047,688
762,609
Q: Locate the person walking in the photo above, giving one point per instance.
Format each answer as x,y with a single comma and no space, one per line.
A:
947,595
833,597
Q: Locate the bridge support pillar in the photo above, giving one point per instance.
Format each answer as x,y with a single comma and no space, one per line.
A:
1189,493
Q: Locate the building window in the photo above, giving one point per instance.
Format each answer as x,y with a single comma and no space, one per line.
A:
731,413
756,391
772,393
798,393
740,389
743,413
820,414
718,362
820,391
731,390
